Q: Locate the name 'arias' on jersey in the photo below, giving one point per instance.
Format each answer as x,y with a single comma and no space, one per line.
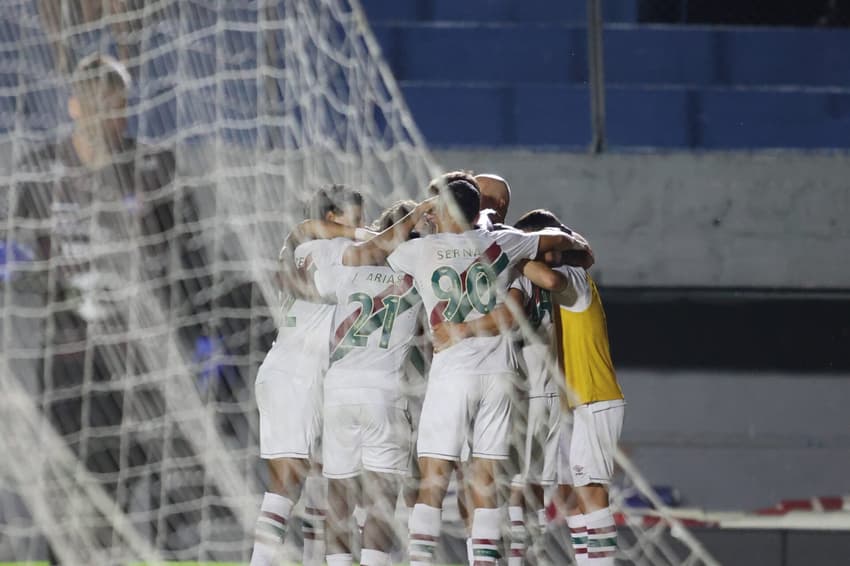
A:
375,319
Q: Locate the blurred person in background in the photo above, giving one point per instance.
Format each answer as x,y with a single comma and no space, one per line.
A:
108,239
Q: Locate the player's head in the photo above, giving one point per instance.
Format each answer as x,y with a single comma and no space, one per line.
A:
495,194
459,201
98,102
395,212
337,203
538,219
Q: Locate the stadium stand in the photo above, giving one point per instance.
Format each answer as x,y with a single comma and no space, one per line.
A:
522,69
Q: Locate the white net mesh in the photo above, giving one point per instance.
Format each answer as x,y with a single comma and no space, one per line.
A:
137,277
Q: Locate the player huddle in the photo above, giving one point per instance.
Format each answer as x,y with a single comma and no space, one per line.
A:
362,312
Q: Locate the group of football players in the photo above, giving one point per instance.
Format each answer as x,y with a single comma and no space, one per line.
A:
505,331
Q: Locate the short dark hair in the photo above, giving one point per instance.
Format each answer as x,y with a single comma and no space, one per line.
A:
539,219
98,75
393,214
462,188
332,198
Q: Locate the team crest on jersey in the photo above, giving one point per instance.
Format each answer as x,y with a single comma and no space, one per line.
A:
371,314
471,290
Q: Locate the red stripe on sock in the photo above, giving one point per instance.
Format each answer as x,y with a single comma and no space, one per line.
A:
314,511
274,516
517,523
516,552
484,541
601,530
601,554
417,536
578,529
580,550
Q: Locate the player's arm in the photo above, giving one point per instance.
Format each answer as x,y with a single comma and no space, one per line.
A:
447,334
572,247
293,280
544,276
375,250
570,289
324,230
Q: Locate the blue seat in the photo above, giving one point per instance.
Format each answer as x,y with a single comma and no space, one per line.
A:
554,116
537,11
735,119
702,56
499,54
638,117
461,116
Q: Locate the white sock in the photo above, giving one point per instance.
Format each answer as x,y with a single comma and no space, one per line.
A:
578,536
470,558
371,557
601,537
339,560
486,536
315,503
542,521
271,529
424,526
518,534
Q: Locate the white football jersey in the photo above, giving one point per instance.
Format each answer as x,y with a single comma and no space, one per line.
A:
463,277
372,333
539,305
301,347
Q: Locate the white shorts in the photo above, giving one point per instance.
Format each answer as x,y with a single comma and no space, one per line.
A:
365,437
290,414
466,408
586,455
540,458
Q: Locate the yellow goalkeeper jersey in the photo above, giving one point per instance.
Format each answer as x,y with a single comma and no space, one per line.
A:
583,349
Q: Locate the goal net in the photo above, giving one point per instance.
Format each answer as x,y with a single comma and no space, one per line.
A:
137,276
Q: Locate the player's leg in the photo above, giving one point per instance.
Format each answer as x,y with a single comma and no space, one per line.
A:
596,431
342,442
442,432
288,431
425,519
386,453
381,493
315,494
516,515
568,506
490,448
286,476
565,497
541,469
341,500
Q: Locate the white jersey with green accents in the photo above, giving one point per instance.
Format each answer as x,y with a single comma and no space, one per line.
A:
537,352
372,333
462,277
301,347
